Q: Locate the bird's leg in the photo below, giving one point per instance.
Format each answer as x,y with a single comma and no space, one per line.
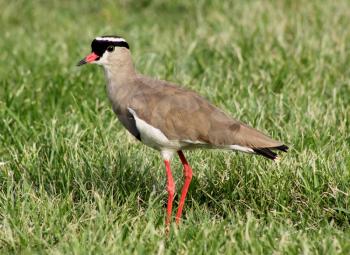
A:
188,177
171,191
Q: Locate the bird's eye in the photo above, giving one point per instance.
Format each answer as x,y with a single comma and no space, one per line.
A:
110,48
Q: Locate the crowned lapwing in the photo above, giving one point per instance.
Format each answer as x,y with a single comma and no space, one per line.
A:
170,118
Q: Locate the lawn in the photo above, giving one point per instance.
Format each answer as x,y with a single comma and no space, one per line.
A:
72,181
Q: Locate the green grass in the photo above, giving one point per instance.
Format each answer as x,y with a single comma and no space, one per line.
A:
73,182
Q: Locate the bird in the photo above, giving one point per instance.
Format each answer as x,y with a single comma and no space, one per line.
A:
170,118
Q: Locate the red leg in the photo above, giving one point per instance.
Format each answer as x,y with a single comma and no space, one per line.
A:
171,191
188,177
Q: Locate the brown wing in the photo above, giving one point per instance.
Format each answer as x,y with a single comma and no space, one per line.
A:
185,116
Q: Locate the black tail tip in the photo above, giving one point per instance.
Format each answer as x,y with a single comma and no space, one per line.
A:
282,148
268,153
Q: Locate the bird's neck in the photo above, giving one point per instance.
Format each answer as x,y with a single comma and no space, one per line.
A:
120,83
120,73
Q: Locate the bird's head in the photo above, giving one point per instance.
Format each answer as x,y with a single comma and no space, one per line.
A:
105,50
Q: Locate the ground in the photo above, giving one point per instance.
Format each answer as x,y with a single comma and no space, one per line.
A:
73,182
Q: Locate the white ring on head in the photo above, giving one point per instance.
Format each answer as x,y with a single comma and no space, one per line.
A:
111,39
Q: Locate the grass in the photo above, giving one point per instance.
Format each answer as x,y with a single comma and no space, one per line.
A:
73,182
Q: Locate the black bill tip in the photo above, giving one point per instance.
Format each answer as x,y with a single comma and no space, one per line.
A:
82,62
